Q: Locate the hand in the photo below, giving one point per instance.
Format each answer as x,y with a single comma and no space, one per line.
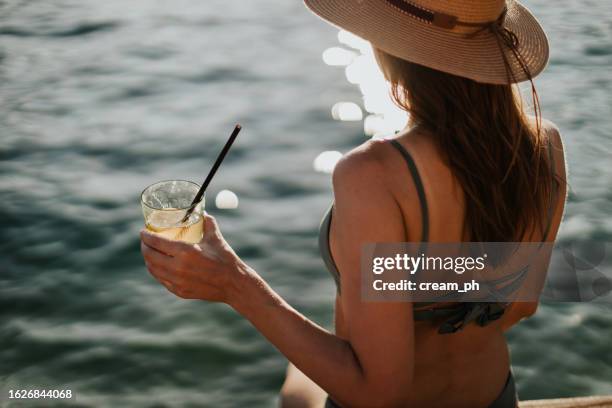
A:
209,270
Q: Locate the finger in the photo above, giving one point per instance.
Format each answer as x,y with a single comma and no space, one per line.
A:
167,284
168,281
160,274
153,256
166,246
176,289
183,293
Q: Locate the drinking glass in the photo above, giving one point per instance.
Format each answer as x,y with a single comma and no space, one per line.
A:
165,204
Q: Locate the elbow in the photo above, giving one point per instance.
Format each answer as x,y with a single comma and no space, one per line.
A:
377,385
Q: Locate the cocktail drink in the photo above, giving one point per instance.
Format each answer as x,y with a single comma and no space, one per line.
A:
164,206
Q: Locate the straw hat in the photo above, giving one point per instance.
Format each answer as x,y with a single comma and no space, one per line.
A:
489,41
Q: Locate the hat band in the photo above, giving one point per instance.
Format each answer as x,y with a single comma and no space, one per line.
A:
438,19
503,36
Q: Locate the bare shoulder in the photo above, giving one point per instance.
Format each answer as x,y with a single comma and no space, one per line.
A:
548,125
363,192
376,161
555,140
363,167
552,137
551,132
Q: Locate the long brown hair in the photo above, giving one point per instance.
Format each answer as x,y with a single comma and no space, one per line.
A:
497,156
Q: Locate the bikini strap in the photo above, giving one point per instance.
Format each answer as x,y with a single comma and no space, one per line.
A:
419,187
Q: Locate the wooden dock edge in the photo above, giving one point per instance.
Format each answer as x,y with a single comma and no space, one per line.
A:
580,402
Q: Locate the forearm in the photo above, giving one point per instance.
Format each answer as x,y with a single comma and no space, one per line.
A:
325,358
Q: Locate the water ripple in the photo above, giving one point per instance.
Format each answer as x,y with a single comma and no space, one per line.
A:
101,98
78,30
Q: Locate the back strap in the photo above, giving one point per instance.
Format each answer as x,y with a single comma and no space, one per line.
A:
419,187
456,317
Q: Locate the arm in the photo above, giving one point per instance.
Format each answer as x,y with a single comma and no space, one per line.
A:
374,365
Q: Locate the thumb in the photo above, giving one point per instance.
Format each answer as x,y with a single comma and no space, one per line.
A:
211,228
213,240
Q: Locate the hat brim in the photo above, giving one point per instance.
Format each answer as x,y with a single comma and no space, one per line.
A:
477,57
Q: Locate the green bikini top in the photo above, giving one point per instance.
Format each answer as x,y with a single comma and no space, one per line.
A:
455,317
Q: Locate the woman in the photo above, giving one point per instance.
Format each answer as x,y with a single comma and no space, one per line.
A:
470,166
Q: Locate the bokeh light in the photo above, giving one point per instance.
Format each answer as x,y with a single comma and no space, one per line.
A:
347,111
384,117
326,161
338,56
226,200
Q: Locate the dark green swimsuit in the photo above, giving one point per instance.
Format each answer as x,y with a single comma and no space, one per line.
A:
453,318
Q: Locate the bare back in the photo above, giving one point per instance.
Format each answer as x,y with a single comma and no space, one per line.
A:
468,368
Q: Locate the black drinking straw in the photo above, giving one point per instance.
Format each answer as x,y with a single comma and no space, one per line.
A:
212,171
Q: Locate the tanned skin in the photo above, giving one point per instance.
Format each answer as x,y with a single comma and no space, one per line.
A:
378,355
